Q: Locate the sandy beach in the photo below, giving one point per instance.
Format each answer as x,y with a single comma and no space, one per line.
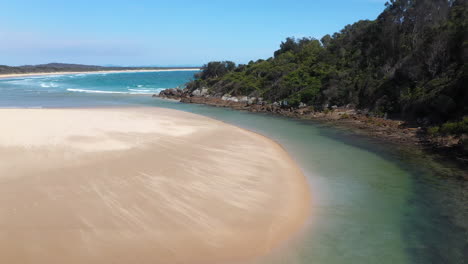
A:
142,185
3,76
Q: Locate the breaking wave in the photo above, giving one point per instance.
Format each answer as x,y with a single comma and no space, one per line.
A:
48,85
131,91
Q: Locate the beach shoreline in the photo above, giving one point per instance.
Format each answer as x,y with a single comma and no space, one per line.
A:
107,184
400,133
16,75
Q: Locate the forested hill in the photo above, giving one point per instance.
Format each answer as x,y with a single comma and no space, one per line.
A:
408,63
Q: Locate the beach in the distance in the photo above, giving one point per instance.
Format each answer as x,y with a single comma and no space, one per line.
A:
141,185
14,75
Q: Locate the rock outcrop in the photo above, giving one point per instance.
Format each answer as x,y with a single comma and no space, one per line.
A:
173,93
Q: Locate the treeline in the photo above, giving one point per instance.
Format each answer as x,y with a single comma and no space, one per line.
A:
408,63
66,67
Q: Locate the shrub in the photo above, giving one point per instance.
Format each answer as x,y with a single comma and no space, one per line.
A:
450,128
433,131
345,116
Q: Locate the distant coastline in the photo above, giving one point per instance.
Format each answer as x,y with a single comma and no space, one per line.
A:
13,75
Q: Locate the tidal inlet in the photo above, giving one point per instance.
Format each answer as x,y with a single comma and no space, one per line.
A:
233,132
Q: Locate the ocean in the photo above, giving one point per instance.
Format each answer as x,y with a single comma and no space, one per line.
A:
95,89
372,202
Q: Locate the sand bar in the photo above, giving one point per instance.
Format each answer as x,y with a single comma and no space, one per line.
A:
141,185
15,75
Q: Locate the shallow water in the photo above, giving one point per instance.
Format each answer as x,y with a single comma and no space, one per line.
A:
372,202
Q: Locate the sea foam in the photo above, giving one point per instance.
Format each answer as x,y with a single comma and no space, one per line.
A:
48,85
113,92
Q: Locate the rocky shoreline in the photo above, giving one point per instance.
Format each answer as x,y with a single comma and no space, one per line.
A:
359,121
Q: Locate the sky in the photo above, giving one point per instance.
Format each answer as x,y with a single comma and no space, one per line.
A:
165,33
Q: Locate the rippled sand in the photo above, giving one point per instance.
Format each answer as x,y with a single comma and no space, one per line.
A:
141,185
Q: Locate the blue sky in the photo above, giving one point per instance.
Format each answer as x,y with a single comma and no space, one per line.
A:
165,33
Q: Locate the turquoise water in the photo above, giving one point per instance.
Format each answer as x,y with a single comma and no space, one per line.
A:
372,202
86,89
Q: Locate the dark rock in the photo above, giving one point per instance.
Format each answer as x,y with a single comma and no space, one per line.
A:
173,93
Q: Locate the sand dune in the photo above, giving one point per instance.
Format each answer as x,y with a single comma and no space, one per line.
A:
141,185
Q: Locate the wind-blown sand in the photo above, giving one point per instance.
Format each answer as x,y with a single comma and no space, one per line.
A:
141,185
15,75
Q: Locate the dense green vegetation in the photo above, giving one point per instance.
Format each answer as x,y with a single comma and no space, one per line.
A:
450,128
409,63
